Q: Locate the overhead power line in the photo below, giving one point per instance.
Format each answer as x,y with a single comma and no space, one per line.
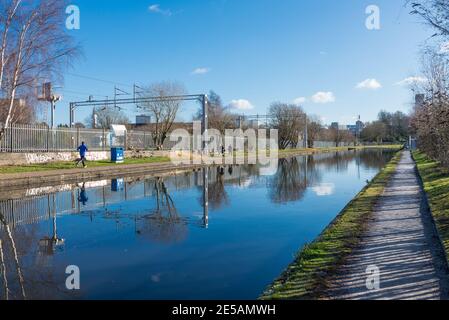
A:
99,80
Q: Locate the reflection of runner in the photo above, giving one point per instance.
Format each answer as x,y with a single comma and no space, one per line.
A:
83,195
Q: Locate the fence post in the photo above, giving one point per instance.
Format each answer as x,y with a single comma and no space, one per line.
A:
77,137
11,139
48,138
126,140
104,139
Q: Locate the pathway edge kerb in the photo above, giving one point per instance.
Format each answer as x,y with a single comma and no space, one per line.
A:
427,205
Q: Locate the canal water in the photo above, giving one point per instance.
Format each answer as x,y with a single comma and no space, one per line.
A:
211,234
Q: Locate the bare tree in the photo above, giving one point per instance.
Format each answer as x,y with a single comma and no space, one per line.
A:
289,120
163,112
374,132
8,10
314,129
34,47
23,110
430,120
434,12
106,116
435,67
219,116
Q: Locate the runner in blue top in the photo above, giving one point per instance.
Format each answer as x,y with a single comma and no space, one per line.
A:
82,149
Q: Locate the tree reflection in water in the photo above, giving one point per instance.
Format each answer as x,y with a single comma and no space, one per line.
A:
27,270
292,178
163,224
28,267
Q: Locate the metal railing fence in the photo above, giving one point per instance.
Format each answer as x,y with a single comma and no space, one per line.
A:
20,138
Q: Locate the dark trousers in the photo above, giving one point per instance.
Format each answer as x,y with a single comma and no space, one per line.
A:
82,160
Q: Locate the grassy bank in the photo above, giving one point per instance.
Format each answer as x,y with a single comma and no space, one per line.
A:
335,149
436,184
307,276
71,165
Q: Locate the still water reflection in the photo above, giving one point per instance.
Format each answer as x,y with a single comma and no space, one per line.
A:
219,233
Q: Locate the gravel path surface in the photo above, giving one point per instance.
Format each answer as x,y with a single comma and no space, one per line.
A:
401,242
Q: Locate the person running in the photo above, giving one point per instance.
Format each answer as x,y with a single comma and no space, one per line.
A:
82,149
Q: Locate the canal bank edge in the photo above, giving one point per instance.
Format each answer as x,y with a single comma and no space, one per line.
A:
434,179
54,176
307,277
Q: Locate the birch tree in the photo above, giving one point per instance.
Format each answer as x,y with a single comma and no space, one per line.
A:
35,47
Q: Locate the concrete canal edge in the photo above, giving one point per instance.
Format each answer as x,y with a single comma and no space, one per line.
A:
307,277
51,177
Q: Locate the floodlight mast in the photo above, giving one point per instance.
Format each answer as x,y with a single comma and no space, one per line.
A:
202,98
49,96
205,122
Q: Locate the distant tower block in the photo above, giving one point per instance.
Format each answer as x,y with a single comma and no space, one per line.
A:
419,100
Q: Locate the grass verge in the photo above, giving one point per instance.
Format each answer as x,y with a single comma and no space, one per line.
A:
71,165
334,149
307,276
435,179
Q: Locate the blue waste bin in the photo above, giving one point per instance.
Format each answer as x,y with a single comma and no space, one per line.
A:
117,185
117,155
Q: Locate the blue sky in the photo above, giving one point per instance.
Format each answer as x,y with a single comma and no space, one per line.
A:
251,52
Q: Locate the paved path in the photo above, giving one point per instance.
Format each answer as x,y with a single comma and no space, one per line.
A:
401,241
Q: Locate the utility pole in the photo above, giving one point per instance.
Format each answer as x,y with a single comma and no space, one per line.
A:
119,92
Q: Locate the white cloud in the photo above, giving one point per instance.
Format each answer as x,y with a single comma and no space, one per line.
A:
370,84
300,100
411,80
323,97
200,71
444,48
241,104
324,189
156,8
